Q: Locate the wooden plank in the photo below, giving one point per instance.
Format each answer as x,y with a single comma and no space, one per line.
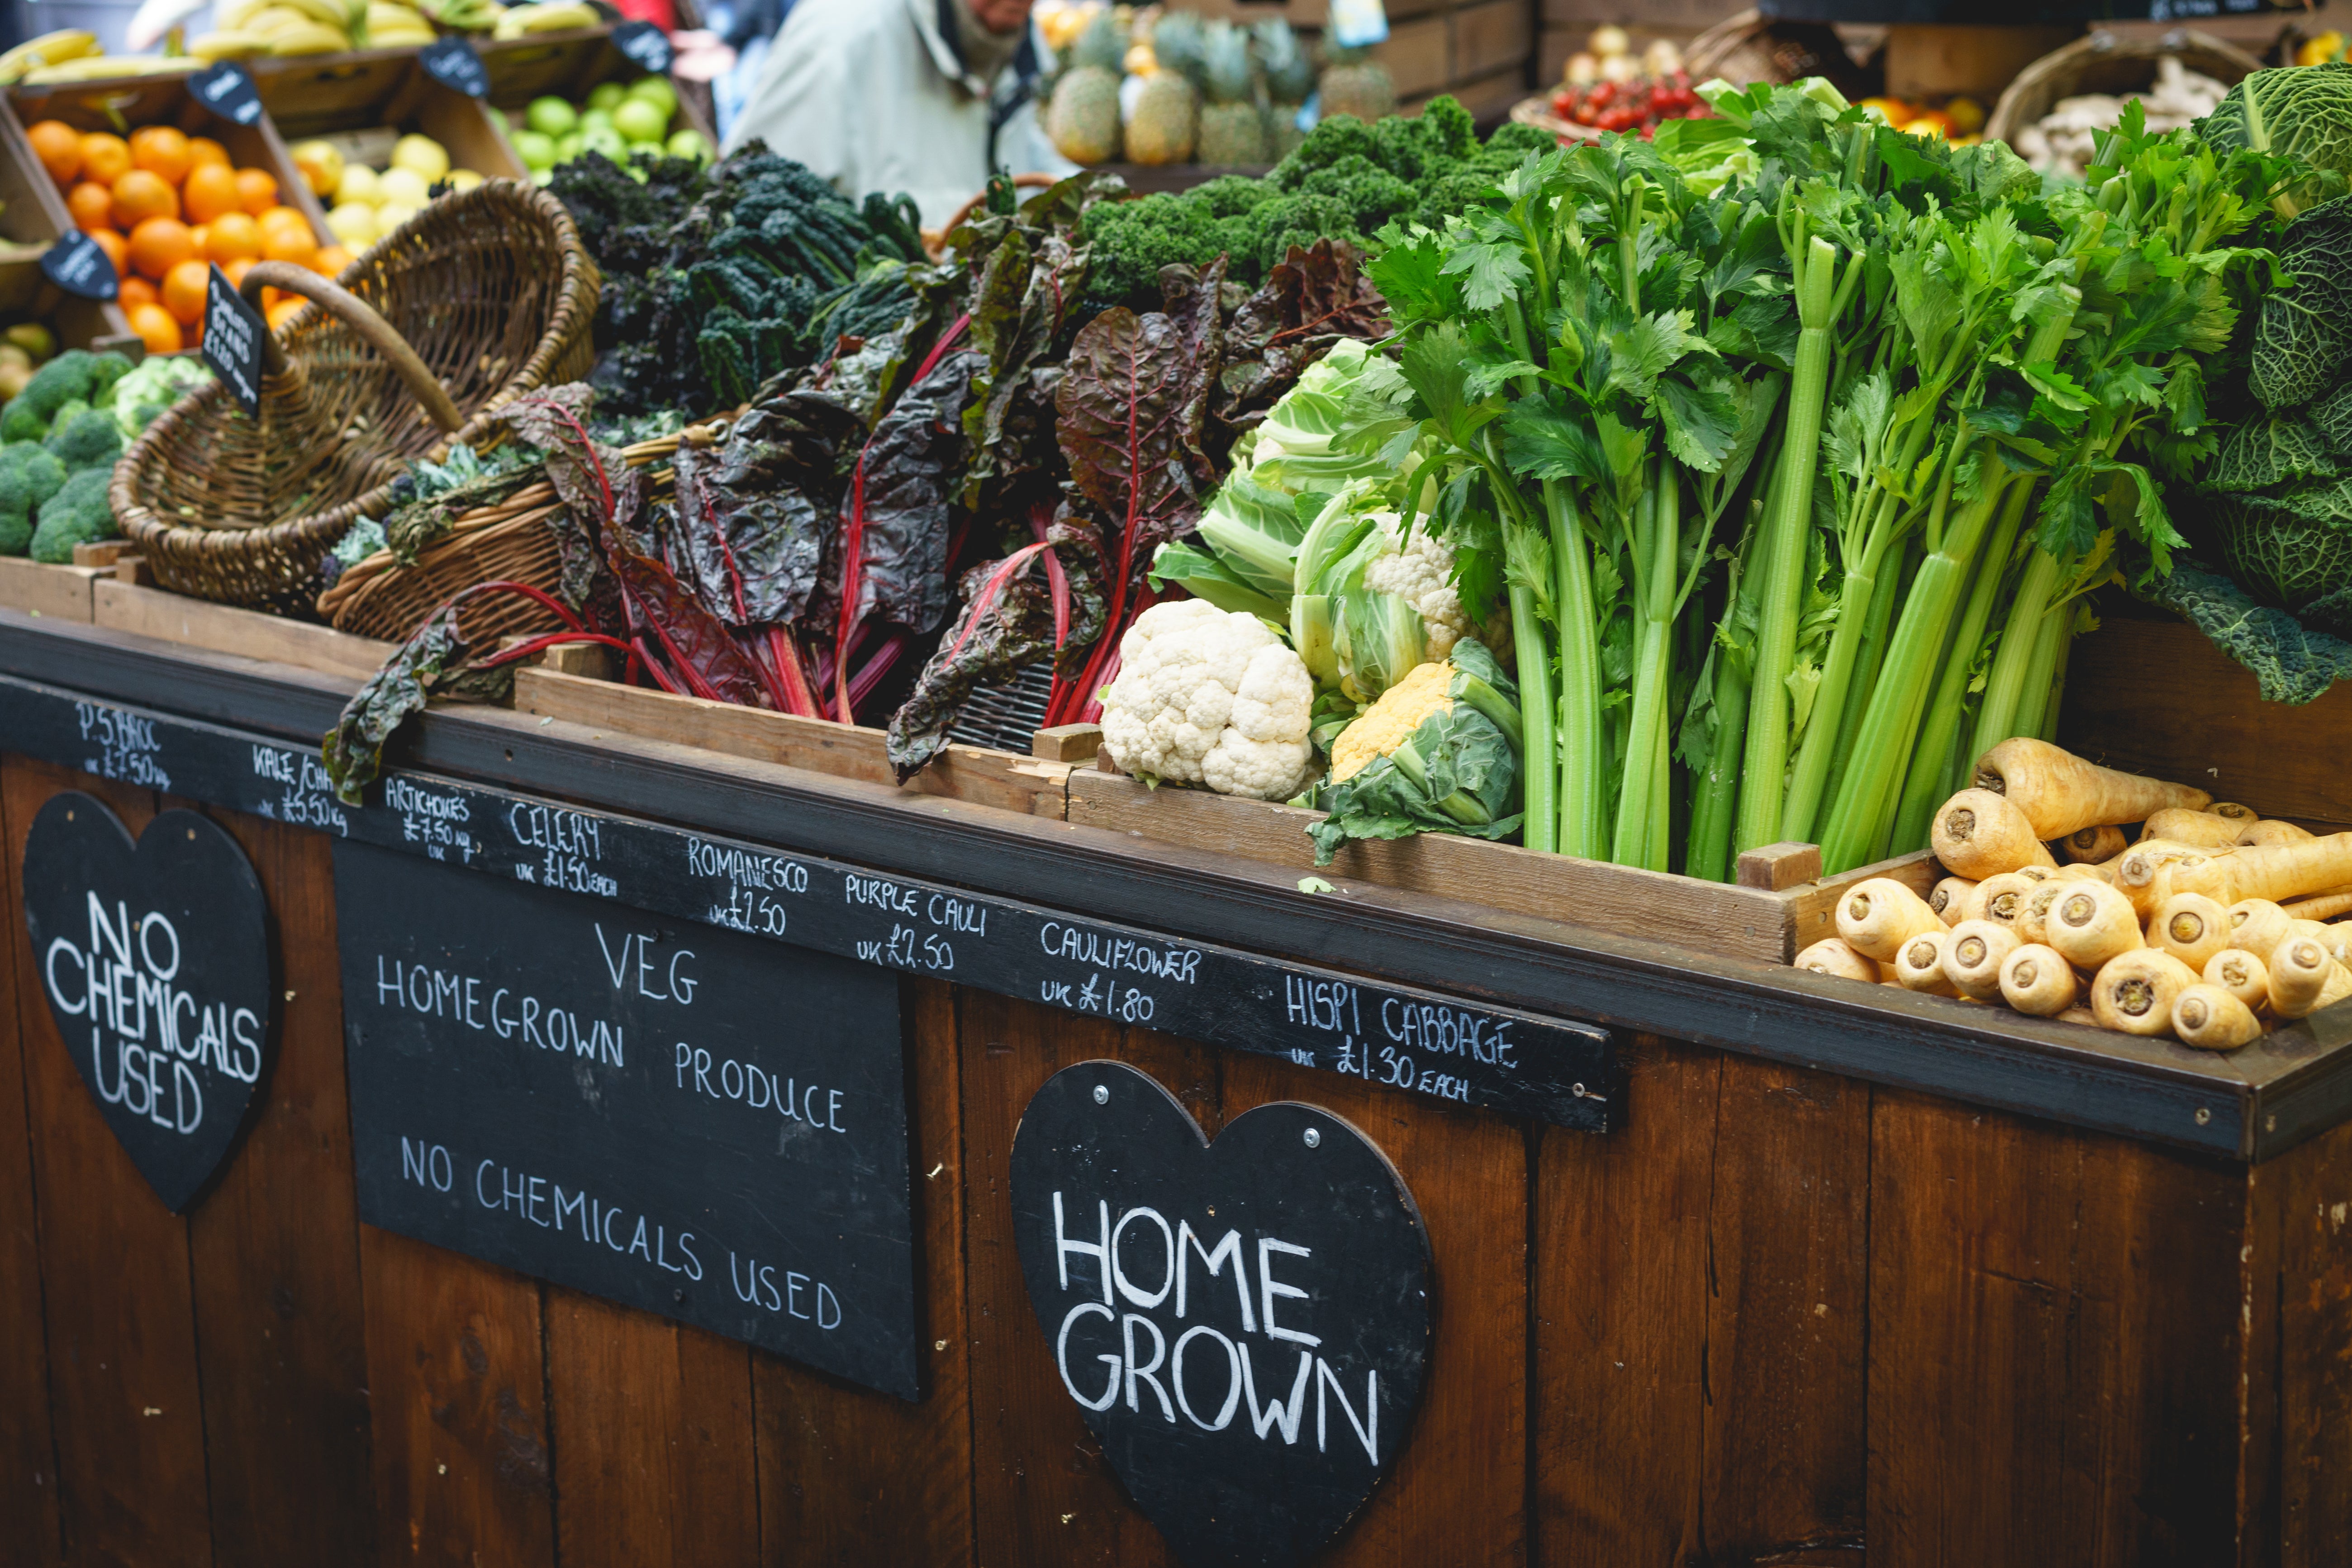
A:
1786,1448
2314,1346
1041,1490
1496,36
1415,54
1487,99
456,1380
2060,1310
1621,1300
124,1392
853,1478
2282,761
61,592
652,1434
28,1453
1775,867
1067,742
1459,1491
223,628
974,773
275,1249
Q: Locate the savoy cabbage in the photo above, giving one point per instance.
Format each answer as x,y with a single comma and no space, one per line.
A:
2295,663
2300,112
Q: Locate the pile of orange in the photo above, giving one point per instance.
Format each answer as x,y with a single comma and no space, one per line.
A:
166,207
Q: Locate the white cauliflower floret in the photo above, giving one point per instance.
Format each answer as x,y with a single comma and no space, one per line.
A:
1208,697
1422,574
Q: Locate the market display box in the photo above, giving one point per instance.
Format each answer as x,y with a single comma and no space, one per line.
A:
566,65
363,103
33,214
61,593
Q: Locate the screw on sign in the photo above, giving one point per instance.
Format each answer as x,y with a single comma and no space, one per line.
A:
453,63
77,265
644,44
227,92
234,338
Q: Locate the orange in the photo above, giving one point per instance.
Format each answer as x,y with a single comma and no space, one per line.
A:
283,312
159,245
104,158
234,271
282,216
286,243
117,248
59,148
137,290
232,236
203,150
184,292
209,191
257,192
161,150
331,260
198,234
156,328
92,207
140,195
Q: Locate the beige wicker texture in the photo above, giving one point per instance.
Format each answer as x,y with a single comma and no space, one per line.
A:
494,291
2104,62
509,543
1538,111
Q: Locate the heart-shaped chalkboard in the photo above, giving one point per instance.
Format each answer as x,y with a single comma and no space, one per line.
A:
1245,1324
155,959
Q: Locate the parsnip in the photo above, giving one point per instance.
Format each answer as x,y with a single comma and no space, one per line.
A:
2091,924
2059,793
1981,834
2191,927
2038,980
2133,991
2099,871
2274,831
2033,923
1831,956
2092,844
2209,1019
1973,952
2242,974
2000,899
2136,871
2325,906
2201,829
2301,970
2234,812
2256,925
2080,1014
1919,966
2275,871
1877,915
1947,897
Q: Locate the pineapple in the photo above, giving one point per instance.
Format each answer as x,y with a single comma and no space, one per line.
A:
1176,43
1165,122
1233,130
1289,79
1082,117
1355,83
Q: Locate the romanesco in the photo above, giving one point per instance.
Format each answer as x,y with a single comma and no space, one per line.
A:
77,514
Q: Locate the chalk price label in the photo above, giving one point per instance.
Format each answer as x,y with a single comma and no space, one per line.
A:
645,44
77,265
235,335
227,92
453,63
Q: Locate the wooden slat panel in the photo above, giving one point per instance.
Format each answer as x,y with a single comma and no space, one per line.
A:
1415,56
225,629
1786,1442
1621,1281
123,1386
29,1453
851,1477
652,1422
2314,1351
1495,36
457,1379
1041,1490
1458,1493
61,592
276,1253
2055,1326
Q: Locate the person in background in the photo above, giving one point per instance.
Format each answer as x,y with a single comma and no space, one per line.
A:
926,97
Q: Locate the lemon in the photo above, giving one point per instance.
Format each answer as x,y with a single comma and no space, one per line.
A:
464,179
421,155
392,214
404,186
357,184
353,225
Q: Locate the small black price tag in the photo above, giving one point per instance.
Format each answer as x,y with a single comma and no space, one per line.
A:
225,90
235,336
646,44
452,62
77,265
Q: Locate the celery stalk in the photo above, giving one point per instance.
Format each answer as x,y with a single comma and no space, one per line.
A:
2008,685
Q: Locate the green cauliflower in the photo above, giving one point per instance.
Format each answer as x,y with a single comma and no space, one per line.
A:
84,439
28,476
77,514
158,383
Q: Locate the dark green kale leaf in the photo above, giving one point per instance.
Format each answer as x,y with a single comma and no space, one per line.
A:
2295,664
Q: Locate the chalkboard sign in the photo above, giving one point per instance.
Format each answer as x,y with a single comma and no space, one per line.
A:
235,335
155,958
1244,1324
684,1120
77,265
644,44
227,90
452,62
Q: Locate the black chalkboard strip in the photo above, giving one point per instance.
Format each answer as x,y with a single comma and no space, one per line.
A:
1425,1042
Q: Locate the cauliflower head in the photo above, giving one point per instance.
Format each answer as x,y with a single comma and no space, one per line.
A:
1206,696
1420,571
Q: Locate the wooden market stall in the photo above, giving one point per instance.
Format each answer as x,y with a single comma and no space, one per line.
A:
1813,1273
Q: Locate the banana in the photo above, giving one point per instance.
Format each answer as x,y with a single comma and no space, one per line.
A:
400,37
236,16
326,13
98,67
48,50
309,38
228,44
273,19
522,21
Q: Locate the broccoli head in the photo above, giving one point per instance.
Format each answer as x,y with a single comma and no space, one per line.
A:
77,514
70,378
28,476
106,372
86,439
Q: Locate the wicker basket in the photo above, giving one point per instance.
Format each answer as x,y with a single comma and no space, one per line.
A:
1752,47
494,294
2104,62
1538,111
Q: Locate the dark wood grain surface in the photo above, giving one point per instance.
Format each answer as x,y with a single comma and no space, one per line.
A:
28,1459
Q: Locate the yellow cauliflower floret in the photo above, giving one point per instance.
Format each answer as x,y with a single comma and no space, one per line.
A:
1382,728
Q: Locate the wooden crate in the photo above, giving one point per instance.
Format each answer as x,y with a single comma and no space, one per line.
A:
223,628
33,212
386,88
567,64
62,592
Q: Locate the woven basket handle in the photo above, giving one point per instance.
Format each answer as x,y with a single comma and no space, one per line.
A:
362,318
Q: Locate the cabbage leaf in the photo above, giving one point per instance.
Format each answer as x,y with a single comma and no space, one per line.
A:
2302,113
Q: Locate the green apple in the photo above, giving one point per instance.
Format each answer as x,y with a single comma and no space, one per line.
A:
550,116
593,118
641,120
689,144
655,89
605,140
568,146
535,148
605,95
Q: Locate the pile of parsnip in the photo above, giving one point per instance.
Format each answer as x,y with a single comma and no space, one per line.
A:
2210,929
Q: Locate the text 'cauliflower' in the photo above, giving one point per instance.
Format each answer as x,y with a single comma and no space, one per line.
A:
1210,696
